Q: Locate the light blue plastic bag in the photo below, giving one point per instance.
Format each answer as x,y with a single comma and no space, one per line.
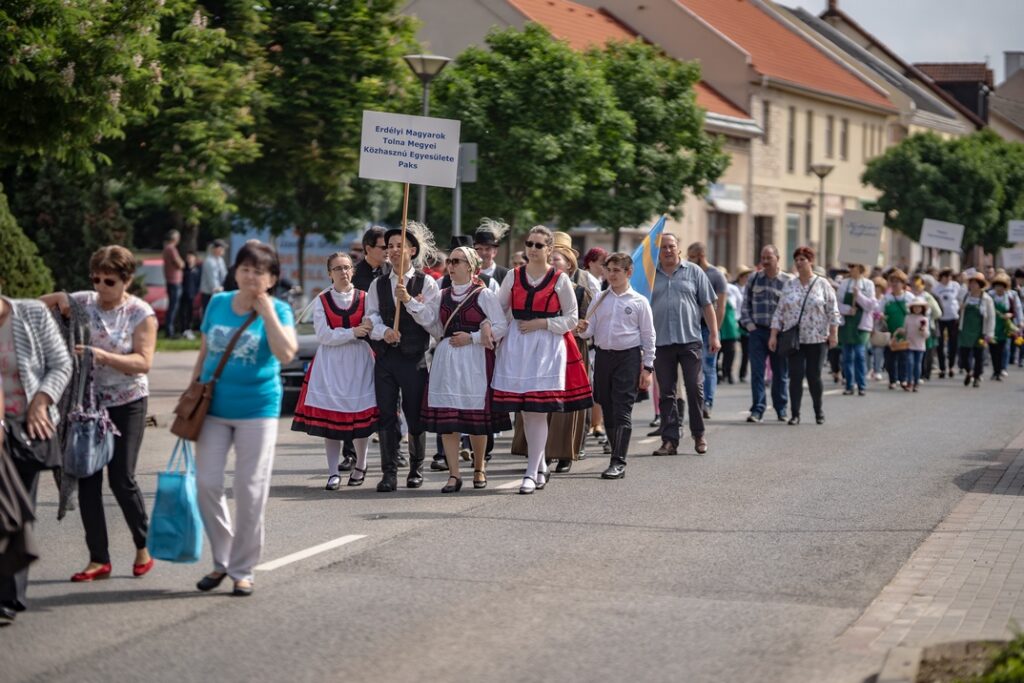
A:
175,527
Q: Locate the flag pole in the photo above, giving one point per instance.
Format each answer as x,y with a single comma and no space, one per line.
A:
401,259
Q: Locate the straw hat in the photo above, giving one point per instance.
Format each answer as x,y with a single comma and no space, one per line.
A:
919,301
979,277
1001,279
743,270
564,240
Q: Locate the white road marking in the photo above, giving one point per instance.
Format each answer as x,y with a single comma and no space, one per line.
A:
832,392
308,552
510,485
647,441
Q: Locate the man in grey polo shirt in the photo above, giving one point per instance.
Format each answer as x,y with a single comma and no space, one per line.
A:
682,295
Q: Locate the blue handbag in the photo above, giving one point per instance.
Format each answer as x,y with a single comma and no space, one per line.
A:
175,527
90,432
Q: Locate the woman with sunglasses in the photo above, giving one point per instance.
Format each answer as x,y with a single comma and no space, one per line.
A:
539,369
122,341
468,322
337,401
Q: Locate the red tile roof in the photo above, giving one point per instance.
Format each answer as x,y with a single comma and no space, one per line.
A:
583,27
780,52
957,72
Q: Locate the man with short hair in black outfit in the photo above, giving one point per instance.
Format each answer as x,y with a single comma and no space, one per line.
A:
485,241
400,371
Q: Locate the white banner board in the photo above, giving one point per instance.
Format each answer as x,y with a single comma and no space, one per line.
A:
1013,258
409,149
1015,232
861,237
941,235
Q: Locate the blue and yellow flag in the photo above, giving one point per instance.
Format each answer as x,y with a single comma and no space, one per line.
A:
645,260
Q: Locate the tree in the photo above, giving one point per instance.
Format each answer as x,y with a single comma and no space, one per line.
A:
22,273
327,63
548,126
673,152
925,176
72,75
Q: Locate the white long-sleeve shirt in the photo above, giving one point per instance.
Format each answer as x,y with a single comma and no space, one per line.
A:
421,311
566,299
488,301
618,322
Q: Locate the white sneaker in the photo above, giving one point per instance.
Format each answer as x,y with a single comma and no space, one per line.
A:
188,334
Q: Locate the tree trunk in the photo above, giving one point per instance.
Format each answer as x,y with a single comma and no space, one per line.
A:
301,255
616,238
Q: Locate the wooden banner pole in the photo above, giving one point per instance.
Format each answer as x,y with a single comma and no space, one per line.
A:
401,259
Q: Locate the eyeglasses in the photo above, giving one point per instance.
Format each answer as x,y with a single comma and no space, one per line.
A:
341,269
535,245
456,261
108,281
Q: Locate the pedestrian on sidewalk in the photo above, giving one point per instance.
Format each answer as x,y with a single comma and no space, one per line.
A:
243,414
819,325
623,332
977,327
682,295
1006,313
174,273
190,283
760,299
338,401
213,273
856,298
123,333
918,329
894,309
880,336
730,331
697,253
949,293
35,368
741,285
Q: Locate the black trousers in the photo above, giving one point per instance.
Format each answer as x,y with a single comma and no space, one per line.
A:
948,349
400,383
996,351
616,374
744,355
807,363
12,588
130,420
728,358
972,360
666,368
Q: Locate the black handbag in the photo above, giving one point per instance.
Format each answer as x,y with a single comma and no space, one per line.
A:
43,454
788,341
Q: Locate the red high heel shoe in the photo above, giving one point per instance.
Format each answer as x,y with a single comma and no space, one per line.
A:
142,569
102,572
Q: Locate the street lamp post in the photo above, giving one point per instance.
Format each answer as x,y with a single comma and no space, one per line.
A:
426,67
822,170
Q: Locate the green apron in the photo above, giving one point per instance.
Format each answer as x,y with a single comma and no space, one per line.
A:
970,332
730,328
848,332
1002,329
895,314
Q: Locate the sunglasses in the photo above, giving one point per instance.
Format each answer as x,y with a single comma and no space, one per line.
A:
535,245
108,281
456,261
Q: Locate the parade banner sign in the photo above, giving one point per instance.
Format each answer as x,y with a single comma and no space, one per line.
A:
409,149
1015,232
861,237
941,235
1013,258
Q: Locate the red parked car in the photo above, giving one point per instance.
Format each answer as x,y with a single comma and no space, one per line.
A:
151,274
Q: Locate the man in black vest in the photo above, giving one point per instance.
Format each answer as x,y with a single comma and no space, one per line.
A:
486,241
400,372
375,259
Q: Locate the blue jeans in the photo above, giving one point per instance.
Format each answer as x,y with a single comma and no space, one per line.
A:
878,359
855,368
757,345
914,360
710,370
173,299
899,370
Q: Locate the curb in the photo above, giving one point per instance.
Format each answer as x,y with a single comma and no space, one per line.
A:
901,665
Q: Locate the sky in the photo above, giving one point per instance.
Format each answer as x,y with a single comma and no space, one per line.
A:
938,30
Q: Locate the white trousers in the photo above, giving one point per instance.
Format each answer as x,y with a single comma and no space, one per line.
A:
236,548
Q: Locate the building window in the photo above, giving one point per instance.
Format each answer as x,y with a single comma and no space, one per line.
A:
792,236
809,148
721,228
762,235
844,139
766,120
829,248
830,143
791,142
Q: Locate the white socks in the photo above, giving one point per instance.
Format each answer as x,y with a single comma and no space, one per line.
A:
333,449
535,425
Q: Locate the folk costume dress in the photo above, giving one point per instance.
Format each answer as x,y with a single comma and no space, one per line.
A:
338,400
458,400
542,371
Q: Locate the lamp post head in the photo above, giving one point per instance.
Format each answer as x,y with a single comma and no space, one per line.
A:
821,170
426,66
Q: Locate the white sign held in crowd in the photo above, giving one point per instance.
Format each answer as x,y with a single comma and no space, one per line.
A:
1013,258
861,237
941,235
409,149
1015,232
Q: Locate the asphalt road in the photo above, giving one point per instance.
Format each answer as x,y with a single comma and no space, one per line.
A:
741,565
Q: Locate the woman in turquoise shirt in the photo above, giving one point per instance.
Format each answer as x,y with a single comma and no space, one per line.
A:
244,412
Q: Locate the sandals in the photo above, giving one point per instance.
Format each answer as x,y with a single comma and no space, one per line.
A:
528,486
479,483
333,483
352,481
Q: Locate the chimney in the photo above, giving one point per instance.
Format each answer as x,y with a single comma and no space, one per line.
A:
833,5
1014,62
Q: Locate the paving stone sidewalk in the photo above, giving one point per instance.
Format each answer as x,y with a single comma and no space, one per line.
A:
966,581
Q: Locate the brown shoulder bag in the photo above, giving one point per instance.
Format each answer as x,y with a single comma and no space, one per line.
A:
193,405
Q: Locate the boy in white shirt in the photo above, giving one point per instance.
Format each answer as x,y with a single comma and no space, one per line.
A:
621,324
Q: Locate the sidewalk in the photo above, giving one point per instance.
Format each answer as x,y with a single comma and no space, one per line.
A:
966,581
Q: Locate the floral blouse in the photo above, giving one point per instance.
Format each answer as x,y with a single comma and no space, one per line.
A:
821,311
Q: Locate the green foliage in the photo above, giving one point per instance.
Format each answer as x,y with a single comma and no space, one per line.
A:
547,124
673,152
976,180
1007,666
22,273
73,73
